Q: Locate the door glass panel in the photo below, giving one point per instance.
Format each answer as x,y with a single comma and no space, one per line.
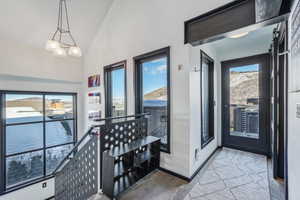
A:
118,92
205,101
155,97
244,101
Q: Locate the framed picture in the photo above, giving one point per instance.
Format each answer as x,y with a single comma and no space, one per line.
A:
94,114
94,98
94,81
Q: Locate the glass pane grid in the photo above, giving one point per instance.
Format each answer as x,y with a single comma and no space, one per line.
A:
21,138
24,167
22,108
55,155
25,115
58,107
59,132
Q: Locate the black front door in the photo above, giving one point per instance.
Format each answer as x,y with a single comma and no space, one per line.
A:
246,100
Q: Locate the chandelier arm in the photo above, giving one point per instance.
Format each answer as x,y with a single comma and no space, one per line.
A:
63,27
58,19
67,15
61,17
61,20
54,35
71,36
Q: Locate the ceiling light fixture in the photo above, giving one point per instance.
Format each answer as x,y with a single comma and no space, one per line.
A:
239,35
62,41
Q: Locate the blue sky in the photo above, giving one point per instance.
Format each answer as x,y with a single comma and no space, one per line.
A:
246,68
155,75
118,83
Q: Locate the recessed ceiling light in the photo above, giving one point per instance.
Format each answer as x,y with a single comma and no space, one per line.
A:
239,35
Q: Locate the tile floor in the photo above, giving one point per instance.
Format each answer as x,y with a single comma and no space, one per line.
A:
233,175
229,175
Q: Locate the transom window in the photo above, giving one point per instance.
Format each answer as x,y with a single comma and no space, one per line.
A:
38,130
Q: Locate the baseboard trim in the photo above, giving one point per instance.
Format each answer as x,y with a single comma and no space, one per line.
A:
195,173
50,198
204,163
175,174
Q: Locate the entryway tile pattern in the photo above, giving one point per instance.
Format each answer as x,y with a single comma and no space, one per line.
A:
229,175
233,175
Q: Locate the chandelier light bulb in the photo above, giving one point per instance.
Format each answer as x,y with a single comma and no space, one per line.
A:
60,52
51,45
75,51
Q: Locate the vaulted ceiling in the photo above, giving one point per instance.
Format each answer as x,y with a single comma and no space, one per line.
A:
33,21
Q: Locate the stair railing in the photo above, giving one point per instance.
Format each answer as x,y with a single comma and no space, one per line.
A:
90,132
77,175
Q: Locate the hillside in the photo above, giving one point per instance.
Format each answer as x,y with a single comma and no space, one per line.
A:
243,86
158,94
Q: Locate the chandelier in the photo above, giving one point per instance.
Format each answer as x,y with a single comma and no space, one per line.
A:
62,42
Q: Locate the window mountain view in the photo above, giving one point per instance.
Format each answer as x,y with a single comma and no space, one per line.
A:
155,97
25,135
244,101
158,97
155,103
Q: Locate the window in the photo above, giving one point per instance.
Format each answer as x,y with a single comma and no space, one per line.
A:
207,99
38,130
153,92
244,108
115,89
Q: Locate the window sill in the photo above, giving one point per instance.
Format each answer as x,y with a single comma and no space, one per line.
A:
27,184
207,142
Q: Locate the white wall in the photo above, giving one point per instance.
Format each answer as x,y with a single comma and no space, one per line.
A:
34,192
134,27
293,147
25,68
293,131
195,107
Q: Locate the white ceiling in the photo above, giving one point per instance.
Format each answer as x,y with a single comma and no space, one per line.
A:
33,21
261,37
